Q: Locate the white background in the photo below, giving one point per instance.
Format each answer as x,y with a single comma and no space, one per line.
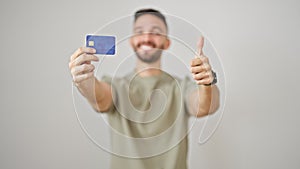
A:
258,43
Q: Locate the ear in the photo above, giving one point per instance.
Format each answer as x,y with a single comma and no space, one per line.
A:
167,44
131,41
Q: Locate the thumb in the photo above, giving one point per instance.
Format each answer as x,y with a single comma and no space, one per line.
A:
200,46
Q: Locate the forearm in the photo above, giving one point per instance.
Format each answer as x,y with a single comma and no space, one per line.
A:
205,100
97,93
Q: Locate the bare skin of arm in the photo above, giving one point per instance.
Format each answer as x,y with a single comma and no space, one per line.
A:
96,92
204,101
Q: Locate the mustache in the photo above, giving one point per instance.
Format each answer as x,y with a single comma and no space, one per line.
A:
146,43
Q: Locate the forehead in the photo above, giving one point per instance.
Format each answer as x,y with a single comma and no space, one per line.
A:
149,22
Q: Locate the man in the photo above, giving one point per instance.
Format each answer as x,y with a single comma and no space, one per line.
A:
148,103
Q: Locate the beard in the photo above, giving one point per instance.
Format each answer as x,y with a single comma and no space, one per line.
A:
149,56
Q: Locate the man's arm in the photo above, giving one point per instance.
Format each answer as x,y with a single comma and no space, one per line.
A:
96,92
206,99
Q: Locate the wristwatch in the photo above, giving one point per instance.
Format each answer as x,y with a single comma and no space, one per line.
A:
215,79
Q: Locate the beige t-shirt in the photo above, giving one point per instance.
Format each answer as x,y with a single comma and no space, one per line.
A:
149,121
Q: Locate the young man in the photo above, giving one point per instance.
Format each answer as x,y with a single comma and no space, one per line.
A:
148,106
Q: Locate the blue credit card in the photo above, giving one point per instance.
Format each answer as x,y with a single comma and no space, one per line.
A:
104,45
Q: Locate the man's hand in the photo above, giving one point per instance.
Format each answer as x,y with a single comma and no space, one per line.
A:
96,92
206,99
80,64
200,67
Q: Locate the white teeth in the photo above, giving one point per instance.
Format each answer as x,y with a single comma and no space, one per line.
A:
146,47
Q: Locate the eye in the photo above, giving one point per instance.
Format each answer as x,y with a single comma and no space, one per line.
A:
156,33
138,33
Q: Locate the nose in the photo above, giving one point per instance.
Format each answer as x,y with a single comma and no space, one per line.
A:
146,37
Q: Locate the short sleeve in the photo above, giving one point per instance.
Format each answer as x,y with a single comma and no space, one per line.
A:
189,86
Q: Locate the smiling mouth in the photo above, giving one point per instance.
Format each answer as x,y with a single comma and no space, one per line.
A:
146,47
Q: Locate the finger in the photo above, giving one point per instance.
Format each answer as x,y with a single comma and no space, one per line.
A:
200,45
204,81
204,59
85,68
201,68
84,59
201,76
82,50
196,62
80,78
197,69
205,63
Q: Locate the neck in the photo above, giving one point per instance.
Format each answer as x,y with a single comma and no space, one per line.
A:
148,69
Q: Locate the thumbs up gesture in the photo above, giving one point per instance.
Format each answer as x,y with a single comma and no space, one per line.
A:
200,67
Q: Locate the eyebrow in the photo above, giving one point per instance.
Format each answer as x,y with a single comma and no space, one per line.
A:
153,28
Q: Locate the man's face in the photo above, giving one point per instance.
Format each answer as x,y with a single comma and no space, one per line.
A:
149,38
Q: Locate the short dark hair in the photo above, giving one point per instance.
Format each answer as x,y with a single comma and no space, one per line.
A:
151,12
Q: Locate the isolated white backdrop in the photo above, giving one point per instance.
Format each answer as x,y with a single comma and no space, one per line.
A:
258,42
